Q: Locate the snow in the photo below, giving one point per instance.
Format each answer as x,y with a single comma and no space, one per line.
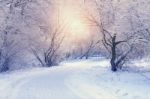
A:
78,79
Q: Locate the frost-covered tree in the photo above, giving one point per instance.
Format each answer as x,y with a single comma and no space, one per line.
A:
24,25
46,44
118,35
47,49
9,36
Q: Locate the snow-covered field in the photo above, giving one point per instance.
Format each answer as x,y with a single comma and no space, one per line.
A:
82,79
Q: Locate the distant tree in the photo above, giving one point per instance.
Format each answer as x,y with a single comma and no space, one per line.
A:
88,50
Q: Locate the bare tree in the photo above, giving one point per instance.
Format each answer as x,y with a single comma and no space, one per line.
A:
111,44
45,43
118,45
49,52
88,50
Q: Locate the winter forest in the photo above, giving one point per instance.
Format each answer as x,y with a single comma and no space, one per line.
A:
74,49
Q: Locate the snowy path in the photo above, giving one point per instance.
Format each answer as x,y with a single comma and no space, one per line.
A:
45,84
74,80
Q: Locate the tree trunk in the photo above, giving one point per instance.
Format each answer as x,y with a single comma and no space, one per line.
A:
113,58
5,66
113,64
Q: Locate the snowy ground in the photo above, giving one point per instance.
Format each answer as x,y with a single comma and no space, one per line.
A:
84,79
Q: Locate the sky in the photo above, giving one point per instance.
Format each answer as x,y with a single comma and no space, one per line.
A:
71,16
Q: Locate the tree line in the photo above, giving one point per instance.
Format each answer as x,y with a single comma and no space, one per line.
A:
28,35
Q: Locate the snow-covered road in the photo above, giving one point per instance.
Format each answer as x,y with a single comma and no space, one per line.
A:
38,84
47,83
74,80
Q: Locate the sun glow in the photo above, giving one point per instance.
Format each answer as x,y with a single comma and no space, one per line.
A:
75,24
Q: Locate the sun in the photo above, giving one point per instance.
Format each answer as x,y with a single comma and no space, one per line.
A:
77,27
75,23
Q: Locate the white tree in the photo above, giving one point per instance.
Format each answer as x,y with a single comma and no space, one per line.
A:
9,36
116,38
